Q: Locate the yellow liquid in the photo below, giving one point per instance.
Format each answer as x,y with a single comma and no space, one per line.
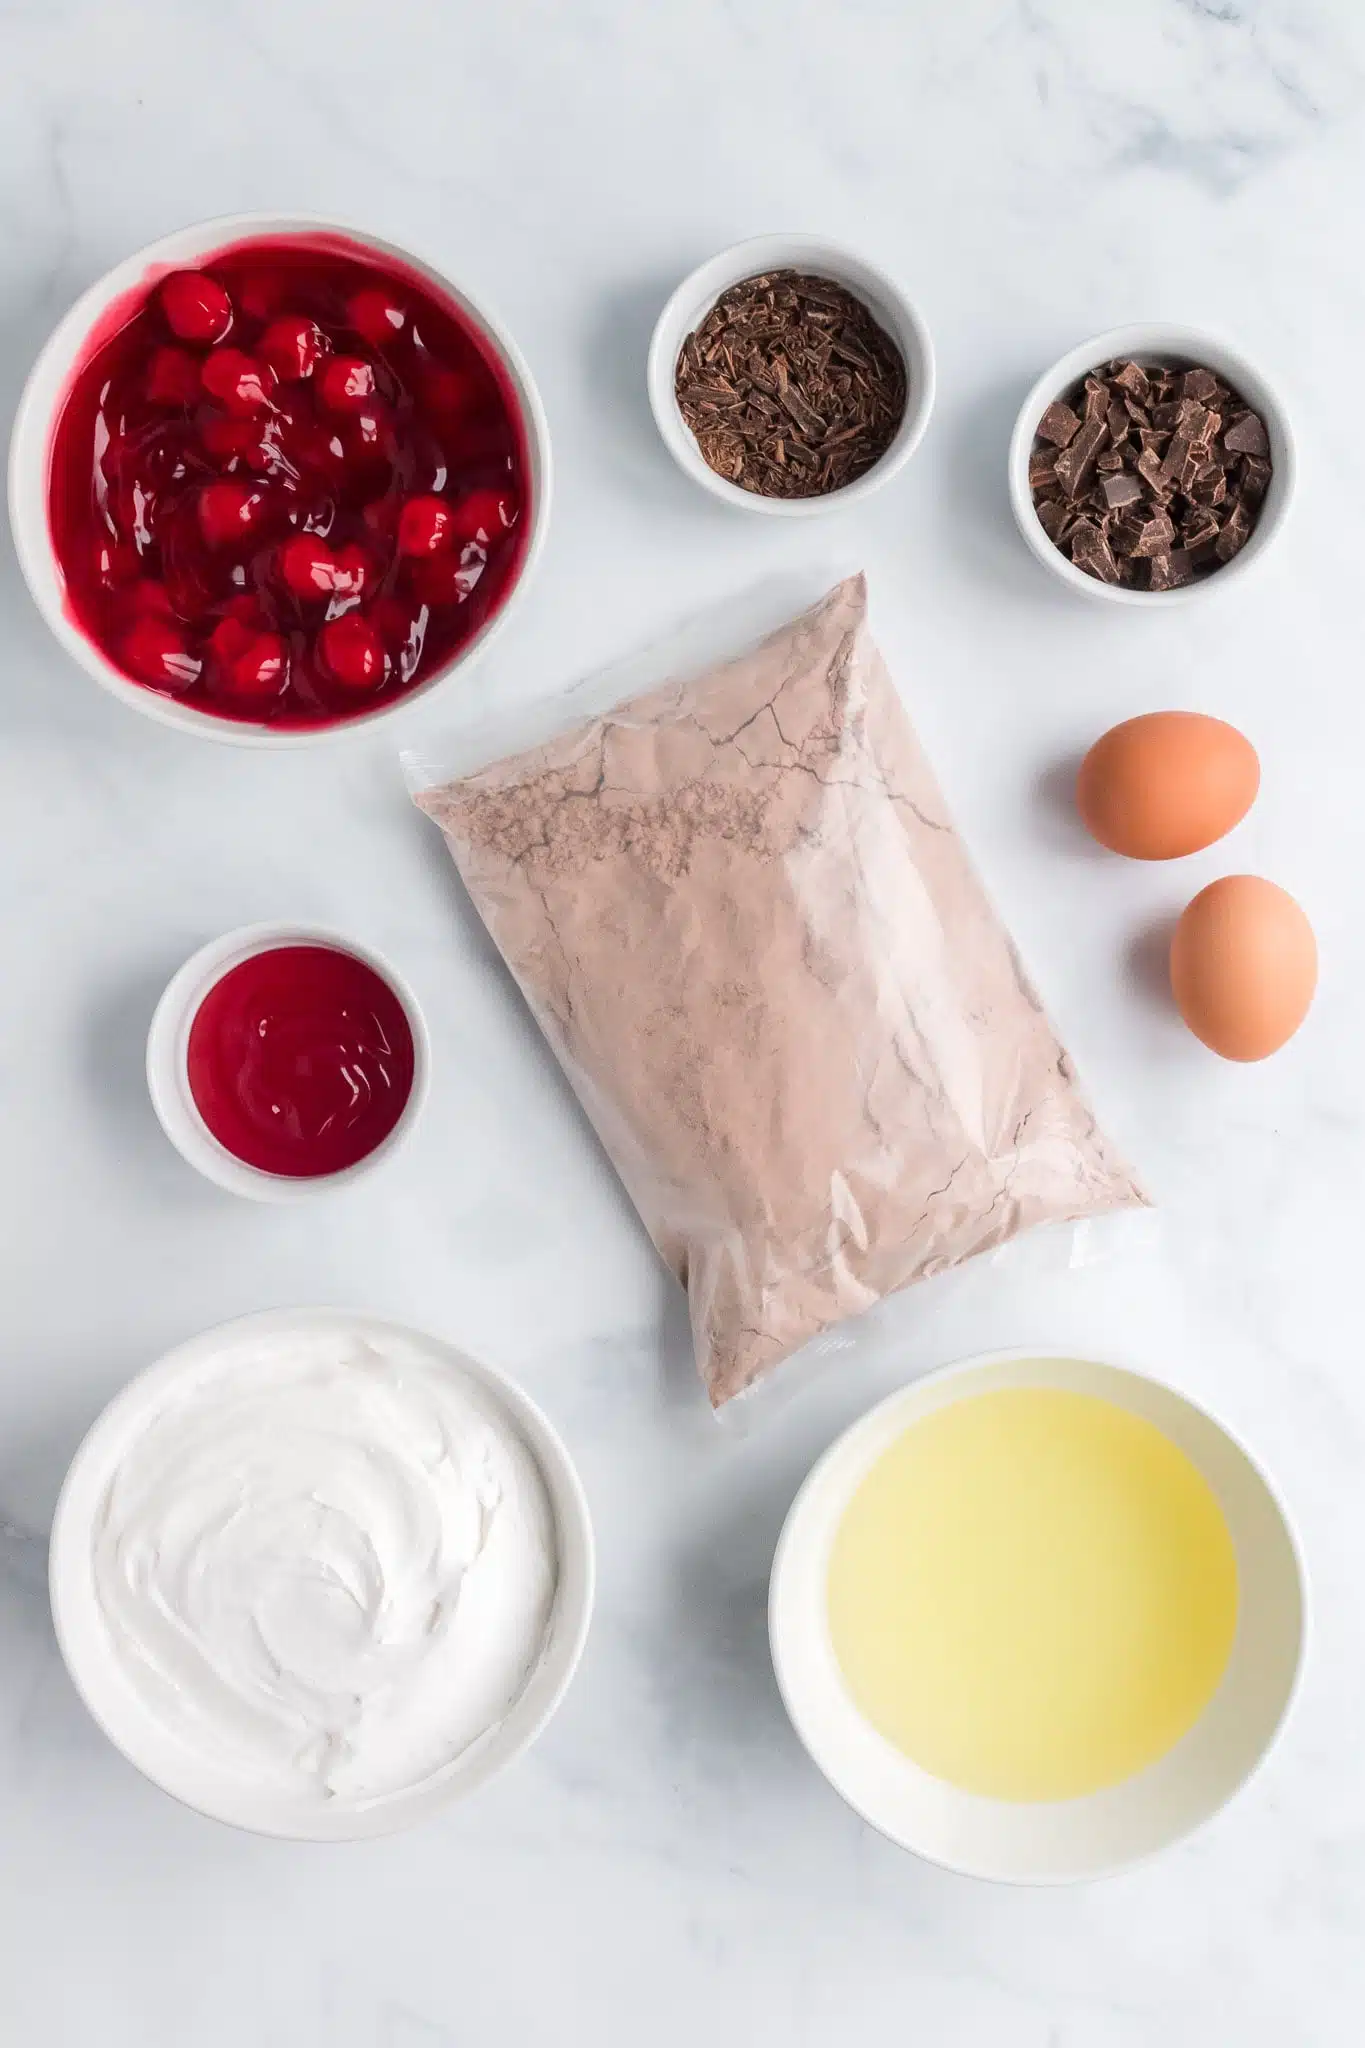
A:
1033,1594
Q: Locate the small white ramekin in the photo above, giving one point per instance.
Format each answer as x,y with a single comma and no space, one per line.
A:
1063,1841
168,1078
44,395
695,297
118,1708
1154,344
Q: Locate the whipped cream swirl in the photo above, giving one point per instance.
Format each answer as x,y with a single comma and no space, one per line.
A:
327,1566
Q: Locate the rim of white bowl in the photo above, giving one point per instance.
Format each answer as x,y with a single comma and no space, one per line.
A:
1154,339
792,1591
81,1643
694,298
168,1081
36,417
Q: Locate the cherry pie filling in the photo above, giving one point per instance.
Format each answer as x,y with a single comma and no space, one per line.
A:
288,486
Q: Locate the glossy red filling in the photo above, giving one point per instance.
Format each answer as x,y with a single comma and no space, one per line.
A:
301,1061
287,486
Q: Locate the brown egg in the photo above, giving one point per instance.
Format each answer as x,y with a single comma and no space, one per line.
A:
1168,784
1244,965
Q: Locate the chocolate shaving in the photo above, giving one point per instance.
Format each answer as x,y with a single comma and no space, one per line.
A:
791,388
1150,475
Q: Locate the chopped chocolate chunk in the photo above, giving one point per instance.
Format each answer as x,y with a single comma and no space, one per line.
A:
1154,535
1077,459
1210,487
1149,475
1200,384
1209,429
1090,551
1059,424
1054,514
1200,523
1247,436
791,387
1150,468
1132,380
1096,399
1170,571
1253,480
1120,491
1176,456
1235,534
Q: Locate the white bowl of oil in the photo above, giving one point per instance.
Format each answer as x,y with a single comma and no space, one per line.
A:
1037,1617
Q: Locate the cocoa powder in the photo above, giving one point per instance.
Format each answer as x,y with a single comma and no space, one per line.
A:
750,932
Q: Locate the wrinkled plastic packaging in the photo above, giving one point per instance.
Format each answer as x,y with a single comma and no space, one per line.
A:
747,926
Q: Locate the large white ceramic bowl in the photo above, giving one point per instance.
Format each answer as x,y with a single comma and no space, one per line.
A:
1059,1841
118,1707
693,300
1154,344
45,393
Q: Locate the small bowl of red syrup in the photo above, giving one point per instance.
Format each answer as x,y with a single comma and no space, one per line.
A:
285,1060
272,479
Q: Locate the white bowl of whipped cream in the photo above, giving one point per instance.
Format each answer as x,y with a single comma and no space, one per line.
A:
317,1575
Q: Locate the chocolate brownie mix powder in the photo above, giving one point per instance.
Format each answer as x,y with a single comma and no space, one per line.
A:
749,930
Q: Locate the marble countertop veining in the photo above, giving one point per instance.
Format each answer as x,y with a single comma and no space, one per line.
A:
665,1866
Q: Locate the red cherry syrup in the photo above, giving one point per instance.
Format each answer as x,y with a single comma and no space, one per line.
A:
300,1061
292,434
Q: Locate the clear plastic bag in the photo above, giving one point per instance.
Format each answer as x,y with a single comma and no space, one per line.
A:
750,932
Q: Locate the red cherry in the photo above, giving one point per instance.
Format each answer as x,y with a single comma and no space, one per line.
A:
352,652
375,314
173,378
260,295
248,665
196,307
240,384
229,442
425,527
312,570
229,511
157,652
442,580
293,347
484,516
346,384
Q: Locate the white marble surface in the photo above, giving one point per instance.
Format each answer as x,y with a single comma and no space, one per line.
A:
666,1867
